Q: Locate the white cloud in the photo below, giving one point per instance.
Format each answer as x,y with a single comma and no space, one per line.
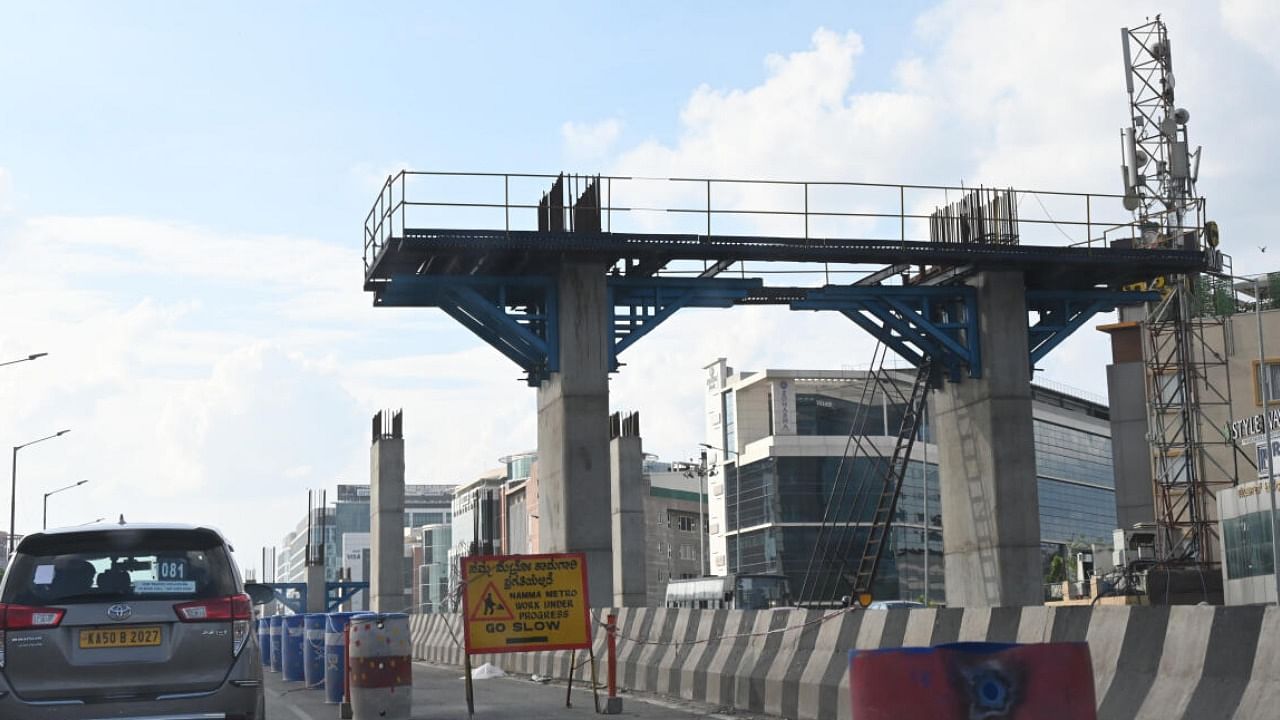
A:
589,142
1254,22
1023,94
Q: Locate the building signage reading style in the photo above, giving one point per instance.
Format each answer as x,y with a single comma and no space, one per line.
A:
525,603
1251,427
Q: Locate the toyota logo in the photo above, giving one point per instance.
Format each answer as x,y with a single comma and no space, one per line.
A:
119,612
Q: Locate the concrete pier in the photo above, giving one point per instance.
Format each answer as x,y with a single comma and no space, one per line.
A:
987,470
386,515
573,430
627,480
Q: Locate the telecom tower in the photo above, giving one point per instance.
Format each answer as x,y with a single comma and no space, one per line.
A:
1188,389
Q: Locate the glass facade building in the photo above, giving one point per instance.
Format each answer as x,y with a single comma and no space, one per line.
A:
789,429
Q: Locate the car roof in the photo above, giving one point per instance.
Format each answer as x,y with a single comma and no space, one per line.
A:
121,527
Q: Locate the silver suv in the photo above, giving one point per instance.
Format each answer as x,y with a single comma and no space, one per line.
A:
127,621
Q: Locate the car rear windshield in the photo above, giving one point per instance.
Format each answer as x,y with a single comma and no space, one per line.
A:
119,565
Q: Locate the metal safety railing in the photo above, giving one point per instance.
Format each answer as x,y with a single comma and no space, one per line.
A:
711,207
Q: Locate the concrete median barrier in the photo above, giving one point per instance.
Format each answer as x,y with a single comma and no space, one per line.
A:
1148,662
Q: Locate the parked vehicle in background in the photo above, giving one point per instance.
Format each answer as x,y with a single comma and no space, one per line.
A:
130,621
895,604
735,592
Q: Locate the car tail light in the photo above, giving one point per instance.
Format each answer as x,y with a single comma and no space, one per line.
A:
231,607
236,609
26,617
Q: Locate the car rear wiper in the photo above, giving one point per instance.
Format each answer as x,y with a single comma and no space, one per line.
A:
88,596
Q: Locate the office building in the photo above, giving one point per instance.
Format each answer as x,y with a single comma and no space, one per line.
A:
477,520
779,438
672,508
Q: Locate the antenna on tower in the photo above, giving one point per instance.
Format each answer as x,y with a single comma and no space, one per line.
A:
1158,167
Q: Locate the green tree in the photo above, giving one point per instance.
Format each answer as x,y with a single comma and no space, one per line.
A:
1057,570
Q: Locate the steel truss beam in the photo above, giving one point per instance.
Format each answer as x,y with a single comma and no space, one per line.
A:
336,593
518,316
918,323
1062,312
639,304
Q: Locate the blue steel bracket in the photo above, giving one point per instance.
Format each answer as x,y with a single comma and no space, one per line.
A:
1062,312
518,316
637,305
296,604
918,323
337,593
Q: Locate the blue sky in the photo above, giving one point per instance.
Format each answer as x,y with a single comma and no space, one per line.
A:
182,189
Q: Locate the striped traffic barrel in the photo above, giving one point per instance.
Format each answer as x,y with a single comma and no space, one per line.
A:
973,680
381,670
277,654
291,646
313,650
335,659
263,626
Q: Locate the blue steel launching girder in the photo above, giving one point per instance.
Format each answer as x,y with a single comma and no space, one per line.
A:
336,593
1062,312
639,304
517,315
918,323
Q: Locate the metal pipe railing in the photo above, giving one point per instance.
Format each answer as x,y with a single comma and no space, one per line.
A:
381,221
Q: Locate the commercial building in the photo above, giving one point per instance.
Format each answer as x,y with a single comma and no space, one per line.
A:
520,504
432,592
1247,523
343,527
477,520
779,439
673,506
1229,420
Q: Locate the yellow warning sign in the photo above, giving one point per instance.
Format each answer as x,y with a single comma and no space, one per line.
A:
524,603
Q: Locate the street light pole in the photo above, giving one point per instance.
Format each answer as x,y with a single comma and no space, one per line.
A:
32,356
45,524
1265,388
13,483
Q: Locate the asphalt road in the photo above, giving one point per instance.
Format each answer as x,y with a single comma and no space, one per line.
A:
438,694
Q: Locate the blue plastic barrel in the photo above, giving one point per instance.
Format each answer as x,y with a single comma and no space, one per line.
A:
313,650
264,640
335,662
277,654
291,644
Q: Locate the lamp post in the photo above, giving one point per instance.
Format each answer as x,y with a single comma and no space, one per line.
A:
32,356
13,482
44,525
737,502
1265,389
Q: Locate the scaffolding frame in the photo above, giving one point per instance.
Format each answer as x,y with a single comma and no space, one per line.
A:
1188,405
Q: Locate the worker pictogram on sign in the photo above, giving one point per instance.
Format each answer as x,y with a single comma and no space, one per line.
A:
525,603
490,605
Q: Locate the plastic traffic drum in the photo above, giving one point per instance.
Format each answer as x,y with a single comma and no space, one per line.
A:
381,669
973,680
335,660
313,650
274,630
264,640
291,645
